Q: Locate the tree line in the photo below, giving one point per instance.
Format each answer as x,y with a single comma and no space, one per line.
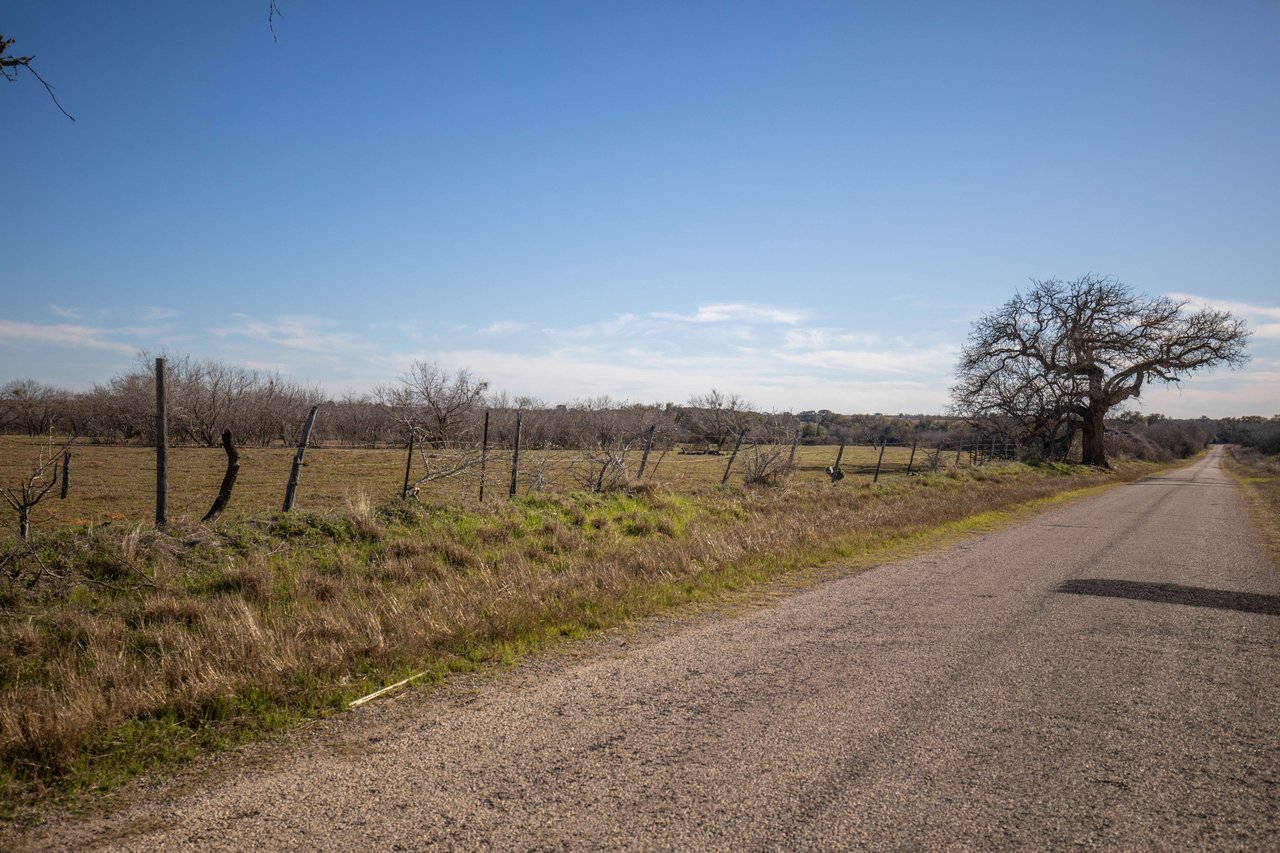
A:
448,409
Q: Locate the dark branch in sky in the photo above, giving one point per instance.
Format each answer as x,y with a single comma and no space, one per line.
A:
9,66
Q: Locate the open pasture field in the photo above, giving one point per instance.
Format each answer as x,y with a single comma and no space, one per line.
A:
116,484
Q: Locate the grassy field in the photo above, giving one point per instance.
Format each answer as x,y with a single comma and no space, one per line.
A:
1260,476
124,649
117,483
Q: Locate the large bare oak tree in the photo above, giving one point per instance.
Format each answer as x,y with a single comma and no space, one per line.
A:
1064,353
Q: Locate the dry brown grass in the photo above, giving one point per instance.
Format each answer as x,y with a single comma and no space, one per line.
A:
115,484
125,648
1259,474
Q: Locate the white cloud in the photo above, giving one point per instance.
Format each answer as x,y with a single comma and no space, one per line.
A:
302,332
157,313
62,335
936,360
736,312
609,329
1263,320
760,378
66,313
502,327
825,338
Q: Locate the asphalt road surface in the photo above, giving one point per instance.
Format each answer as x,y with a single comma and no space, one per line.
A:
1102,675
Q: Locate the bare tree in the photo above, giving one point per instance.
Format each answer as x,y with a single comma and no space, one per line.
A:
440,405
29,406
36,485
715,417
1088,345
439,411
766,457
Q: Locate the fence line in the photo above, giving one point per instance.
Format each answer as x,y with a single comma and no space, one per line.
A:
457,472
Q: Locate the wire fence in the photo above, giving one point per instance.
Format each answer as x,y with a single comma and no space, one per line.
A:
110,483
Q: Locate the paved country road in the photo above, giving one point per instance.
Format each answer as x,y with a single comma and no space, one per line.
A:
1103,674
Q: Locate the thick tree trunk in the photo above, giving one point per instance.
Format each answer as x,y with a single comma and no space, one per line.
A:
1093,439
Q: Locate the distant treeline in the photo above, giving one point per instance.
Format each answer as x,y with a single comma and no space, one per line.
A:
1252,431
260,408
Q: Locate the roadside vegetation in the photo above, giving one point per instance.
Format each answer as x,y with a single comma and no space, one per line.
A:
128,649
1259,473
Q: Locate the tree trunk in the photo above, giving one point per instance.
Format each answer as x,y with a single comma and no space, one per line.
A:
1093,439
24,522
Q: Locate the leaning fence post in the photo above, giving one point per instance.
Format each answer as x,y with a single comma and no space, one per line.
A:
839,456
484,453
408,462
878,461
648,445
736,446
910,462
228,479
66,474
162,446
515,457
291,491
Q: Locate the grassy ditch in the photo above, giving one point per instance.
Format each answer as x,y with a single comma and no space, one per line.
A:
1259,474
125,652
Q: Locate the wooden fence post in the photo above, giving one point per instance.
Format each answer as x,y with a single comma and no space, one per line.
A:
878,461
910,462
66,474
736,446
515,457
834,471
291,491
162,447
795,441
408,462
648,445
228,479
959,447
484,453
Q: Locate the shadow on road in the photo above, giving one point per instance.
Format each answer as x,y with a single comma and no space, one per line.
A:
1172,593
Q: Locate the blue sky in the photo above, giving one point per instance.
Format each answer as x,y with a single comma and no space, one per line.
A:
803,203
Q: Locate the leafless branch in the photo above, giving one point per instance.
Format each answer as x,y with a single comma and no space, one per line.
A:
9,66
272,11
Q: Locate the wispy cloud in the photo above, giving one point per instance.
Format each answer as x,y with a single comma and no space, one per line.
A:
302,332
621,324
1263,320
62,335
937,360
826,338
736,312
66,313
502,327
156,313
